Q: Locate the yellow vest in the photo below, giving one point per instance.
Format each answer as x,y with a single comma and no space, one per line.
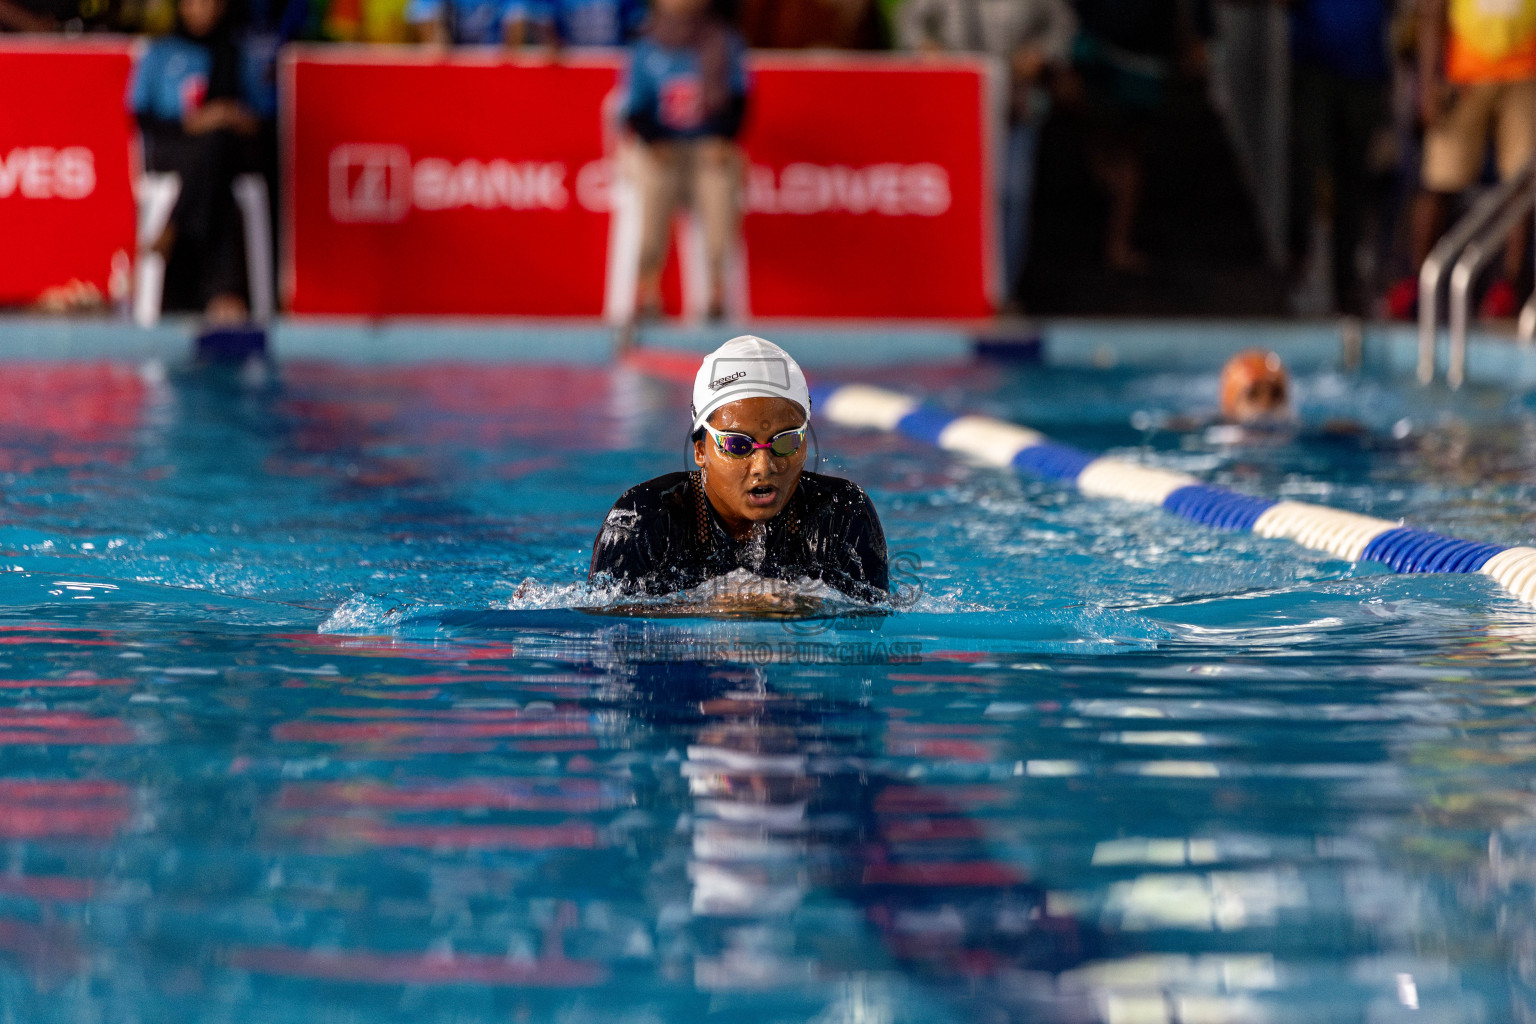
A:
1491,41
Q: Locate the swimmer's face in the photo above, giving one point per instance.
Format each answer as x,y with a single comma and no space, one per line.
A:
1262,400
1254,388
753,489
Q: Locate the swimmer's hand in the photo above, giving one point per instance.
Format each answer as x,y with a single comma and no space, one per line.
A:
756,605
765,604
734,596
741,595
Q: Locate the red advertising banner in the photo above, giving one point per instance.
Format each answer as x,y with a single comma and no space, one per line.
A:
868,192
66,191
482,184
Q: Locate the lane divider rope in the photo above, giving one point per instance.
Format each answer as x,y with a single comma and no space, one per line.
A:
1345,535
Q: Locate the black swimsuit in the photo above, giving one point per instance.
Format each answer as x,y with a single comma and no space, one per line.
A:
663,536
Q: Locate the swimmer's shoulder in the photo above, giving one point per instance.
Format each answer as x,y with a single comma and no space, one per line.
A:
834,493
846,537
640,533
666,493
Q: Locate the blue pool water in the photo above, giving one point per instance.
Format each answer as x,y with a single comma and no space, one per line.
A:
305,716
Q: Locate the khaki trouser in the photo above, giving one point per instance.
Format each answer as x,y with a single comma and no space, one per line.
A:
1455,145
704,174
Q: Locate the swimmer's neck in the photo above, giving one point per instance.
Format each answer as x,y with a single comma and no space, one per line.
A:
739,529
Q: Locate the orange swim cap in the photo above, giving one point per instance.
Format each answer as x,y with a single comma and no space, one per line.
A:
1254,386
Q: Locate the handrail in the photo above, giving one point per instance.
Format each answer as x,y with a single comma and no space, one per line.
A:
1473,259
1472,225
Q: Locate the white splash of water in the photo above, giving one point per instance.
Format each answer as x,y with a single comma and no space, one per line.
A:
362,613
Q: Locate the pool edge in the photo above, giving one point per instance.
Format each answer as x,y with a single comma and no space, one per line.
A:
1384,349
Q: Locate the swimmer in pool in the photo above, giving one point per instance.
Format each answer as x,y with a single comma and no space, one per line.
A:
1255,401
750,505
1256,412
1256,407
1255,389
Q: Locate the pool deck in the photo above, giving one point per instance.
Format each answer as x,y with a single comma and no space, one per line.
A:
1179,345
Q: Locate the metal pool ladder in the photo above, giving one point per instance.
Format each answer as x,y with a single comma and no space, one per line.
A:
1466,249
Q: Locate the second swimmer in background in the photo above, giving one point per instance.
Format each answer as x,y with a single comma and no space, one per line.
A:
1255,389
1255,404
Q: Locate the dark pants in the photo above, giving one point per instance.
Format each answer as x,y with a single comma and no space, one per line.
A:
1018,188
208,257
1333,120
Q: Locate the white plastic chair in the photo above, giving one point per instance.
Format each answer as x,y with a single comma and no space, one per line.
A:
156,193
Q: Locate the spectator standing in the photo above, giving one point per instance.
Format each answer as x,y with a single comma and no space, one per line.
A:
685,95
558,23
1477,77
1032,39
1126,52
189,96
1405,148
1339,78
458,21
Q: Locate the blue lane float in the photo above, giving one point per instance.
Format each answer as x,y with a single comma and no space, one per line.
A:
1347,535
1217,507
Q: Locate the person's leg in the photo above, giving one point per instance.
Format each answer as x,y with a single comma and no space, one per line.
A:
1309,143
655,171
1429,209
200,161
1358,111
205,228
1111,147
1018,186
1027,151
716,197
1137,98
224,273
223,264
1119,169
1515,137
1454,147
1114,163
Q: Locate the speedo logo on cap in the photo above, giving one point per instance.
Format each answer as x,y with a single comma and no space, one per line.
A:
769,371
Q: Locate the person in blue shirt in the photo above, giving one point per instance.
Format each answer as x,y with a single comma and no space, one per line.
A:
558,23
1339,75
459,21
685,96
188,94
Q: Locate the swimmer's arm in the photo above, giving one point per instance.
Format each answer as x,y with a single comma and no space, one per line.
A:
622,551
859,565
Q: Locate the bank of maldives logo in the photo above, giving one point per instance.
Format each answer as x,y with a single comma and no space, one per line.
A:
370,183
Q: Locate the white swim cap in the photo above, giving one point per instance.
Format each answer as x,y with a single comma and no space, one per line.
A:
747,367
